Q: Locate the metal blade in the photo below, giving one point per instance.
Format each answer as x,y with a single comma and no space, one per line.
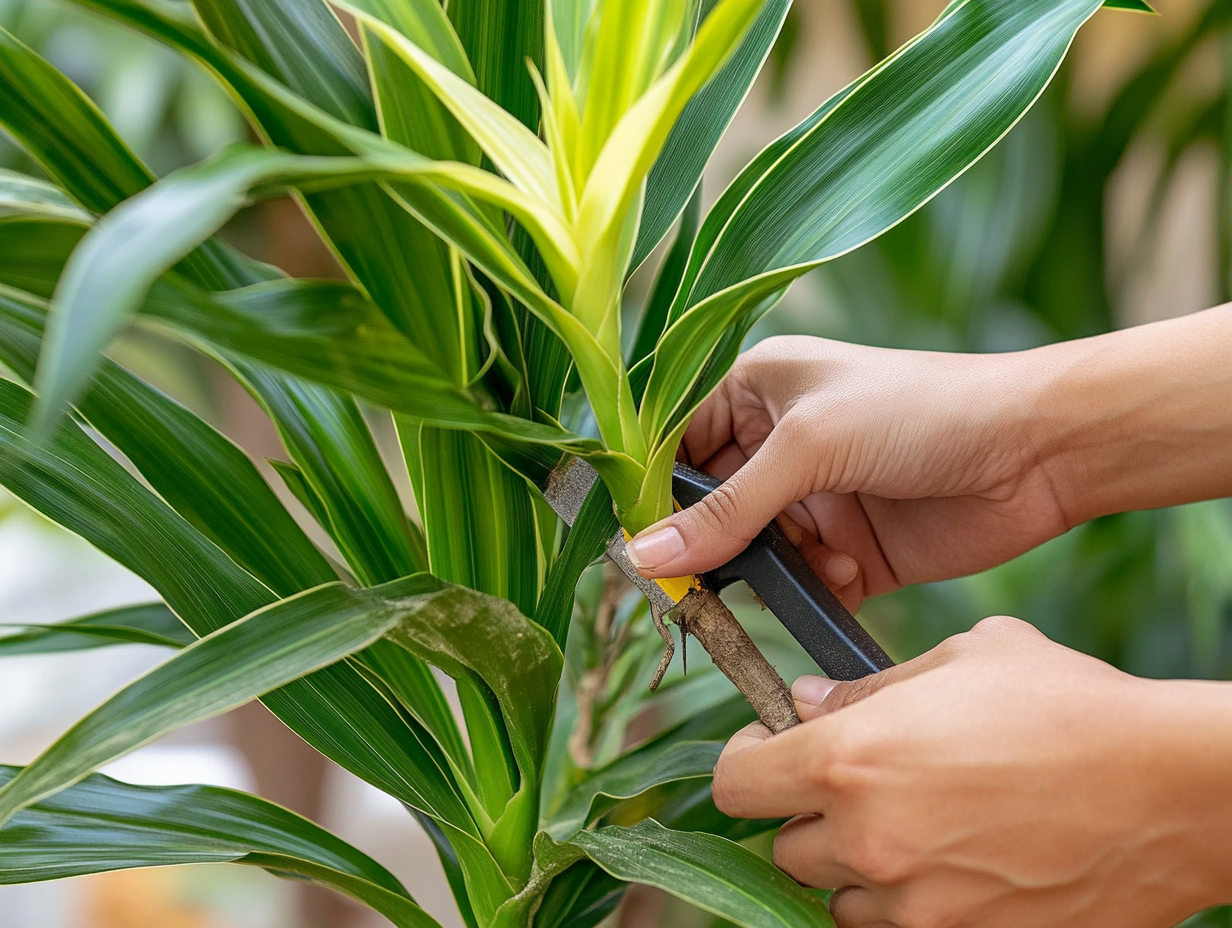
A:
567,489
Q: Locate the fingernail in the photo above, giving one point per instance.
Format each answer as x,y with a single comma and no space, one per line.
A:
655,549
812,691
841,570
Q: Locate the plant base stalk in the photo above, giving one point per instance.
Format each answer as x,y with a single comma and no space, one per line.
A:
704,616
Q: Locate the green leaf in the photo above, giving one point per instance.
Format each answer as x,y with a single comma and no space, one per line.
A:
226,669
152,624
653,320
34,251
337,712
411,115
367,229
629,45
616,182
478,517
326,331
710,872
330,333
530,195
301,44
100,825
702,124
82,151
127,251
77,146
1136,6
607,223
570,19
581,897
412,682
452,867
593,528
77,484
503,40
314,627
425,23
869,158
112,270
304,48
513,148
499,38
484,244
200,472
488,641
632,775
21,195
686,804
329,440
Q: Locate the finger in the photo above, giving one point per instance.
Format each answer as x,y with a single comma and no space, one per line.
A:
726,461
723,523
818,696
712,427
836,568
859,907
805,850
839,571
844,525
764,776
750,736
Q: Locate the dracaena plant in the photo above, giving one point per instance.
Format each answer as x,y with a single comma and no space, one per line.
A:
488,174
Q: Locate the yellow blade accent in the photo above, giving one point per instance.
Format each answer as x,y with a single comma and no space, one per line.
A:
675,587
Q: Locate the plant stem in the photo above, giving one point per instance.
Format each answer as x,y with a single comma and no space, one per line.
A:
704,616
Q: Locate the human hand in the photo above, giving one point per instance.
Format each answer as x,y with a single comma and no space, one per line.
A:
914,465
999,781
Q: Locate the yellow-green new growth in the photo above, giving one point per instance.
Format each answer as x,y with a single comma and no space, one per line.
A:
578,190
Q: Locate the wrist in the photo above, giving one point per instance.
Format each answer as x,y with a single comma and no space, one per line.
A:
1182,758
1135,419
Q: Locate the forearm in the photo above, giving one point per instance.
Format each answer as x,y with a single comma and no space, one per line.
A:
1136,419
1185,747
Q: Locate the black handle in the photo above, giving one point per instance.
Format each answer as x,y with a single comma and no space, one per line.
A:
783,580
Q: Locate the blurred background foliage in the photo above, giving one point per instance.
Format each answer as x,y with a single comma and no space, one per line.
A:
1110,205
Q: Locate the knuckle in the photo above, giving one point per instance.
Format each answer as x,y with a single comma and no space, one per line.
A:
851,692
950,647
877,858
766,348
1000,625
719,510
840,768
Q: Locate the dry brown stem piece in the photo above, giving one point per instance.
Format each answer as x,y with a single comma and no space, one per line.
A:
704,616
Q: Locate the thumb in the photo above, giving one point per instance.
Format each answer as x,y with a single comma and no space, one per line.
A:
722,524
816,696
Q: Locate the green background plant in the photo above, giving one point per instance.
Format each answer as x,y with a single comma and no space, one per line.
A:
459,484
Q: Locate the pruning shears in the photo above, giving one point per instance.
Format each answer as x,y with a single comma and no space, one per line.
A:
771,565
